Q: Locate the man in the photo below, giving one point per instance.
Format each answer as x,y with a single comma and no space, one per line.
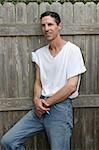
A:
59,66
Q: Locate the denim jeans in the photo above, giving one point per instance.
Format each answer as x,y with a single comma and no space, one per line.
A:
58,126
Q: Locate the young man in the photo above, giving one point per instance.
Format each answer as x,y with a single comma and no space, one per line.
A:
58,69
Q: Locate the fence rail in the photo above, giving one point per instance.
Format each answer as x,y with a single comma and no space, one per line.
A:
25,103
34,29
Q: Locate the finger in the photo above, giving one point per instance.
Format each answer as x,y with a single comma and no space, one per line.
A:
45,103
39,113
42,106
45,108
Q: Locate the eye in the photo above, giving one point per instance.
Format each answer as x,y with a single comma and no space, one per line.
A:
50,24
43,25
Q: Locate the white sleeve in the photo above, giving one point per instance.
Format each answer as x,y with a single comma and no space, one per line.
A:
75,63
35,58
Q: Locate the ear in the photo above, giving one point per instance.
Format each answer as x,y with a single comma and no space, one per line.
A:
60,26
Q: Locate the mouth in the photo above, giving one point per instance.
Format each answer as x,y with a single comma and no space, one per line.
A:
48,34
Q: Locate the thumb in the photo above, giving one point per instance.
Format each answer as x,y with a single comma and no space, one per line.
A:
45,103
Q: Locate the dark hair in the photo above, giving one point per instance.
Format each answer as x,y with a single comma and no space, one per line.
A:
52,14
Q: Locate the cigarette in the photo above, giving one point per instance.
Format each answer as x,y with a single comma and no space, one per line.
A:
48,112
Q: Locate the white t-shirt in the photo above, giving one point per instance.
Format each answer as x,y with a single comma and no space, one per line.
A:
55,71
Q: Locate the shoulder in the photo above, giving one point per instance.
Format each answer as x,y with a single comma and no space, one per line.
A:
73,46
38,54
41,50
74,50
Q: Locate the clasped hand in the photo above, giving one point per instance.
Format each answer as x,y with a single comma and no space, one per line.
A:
41,107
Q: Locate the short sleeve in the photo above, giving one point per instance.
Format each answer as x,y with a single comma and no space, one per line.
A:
35,58
75,63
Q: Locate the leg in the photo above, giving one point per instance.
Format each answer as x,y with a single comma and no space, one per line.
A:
15,138
59,126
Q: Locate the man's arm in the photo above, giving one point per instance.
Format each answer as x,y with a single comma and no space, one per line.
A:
39,105
37,84
64,92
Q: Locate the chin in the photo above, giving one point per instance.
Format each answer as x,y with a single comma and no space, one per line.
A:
49,38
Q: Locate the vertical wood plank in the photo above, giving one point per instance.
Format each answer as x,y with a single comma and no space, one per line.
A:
2,87
44,6
97,54
21,13
5,123
8,13
22,53
2,68
32,13
79,13
10,61
79,123
79,18
1,126
67,13
32,42
89,132
57,7
67,17
96,131
98,13
9,16
96,118
1,14
22,58
90,11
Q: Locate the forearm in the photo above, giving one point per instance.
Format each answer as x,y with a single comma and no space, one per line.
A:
60,96
64,92
37,91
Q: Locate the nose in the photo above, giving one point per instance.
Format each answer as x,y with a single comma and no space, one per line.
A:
46,27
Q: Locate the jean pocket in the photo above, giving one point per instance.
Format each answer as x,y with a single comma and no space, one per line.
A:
60,107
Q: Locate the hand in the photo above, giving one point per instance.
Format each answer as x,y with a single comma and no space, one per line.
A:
41,106
45,103
39,112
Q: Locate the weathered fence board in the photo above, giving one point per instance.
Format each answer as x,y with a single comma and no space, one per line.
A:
1,13
21,13
31,16
34,29
25,103
8,13
44,7
20,34
67,13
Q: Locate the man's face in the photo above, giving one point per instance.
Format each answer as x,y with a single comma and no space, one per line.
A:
50,28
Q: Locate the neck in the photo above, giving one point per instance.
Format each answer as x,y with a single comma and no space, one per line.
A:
56,44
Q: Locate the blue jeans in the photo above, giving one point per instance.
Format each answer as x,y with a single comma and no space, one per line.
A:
58,126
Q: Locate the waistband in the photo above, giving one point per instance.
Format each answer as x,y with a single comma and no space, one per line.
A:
44,97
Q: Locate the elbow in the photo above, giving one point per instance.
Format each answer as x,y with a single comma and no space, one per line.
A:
73,88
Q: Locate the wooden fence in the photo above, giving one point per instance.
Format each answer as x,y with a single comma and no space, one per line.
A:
19,35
